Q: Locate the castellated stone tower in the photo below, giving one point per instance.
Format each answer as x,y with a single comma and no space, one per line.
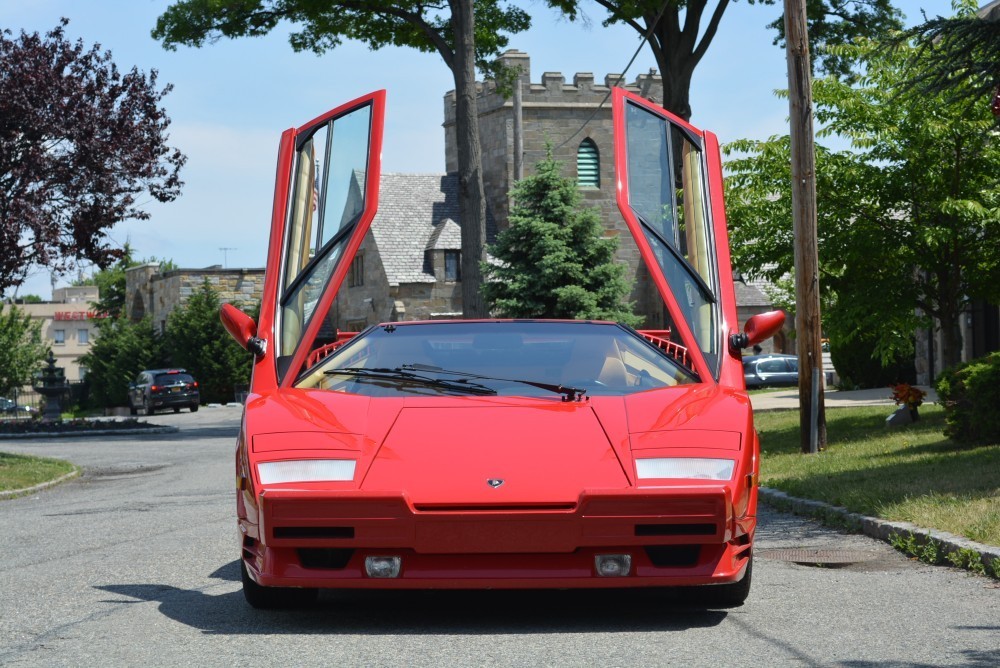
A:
568,117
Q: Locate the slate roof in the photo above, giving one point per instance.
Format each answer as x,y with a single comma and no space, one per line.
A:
751,294
417,212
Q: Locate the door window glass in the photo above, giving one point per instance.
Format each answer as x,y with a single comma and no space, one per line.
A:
328,197
667,192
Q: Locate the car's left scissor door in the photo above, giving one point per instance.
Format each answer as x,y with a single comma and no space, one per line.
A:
325,199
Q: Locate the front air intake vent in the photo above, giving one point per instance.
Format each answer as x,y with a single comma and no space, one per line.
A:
675,529
321,558
673,556
314,532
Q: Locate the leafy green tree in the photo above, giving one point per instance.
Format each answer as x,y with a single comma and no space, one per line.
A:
21,348
553,260
121,349
960,55
679,38
466,34
197,341
909,217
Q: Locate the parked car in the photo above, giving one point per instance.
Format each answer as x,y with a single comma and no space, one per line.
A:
163,388
770,370
496,453
9,407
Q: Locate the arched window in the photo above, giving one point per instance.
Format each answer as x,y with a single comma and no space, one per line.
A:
138,307
588,164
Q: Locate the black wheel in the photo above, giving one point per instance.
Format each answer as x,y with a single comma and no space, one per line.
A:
194,408
728,595
271,598
177,409
149,407
132,410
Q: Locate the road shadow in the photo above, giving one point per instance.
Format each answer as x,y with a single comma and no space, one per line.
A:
387,613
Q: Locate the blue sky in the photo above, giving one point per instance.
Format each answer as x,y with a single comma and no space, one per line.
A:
232,99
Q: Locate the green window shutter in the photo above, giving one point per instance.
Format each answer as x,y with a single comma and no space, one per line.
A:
588,164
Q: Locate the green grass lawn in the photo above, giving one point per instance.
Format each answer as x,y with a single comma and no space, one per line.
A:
20,471
910,473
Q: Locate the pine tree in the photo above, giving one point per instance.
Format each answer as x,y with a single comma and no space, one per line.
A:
197,342
121,349
553,260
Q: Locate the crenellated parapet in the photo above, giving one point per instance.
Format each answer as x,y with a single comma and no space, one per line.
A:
553,91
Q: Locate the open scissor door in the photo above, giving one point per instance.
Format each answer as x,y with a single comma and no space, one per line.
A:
670,193
325,199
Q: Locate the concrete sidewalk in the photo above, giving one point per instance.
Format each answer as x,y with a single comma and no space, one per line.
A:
833,398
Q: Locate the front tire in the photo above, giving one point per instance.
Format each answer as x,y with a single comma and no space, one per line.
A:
132,410
149,407
274,598
728,595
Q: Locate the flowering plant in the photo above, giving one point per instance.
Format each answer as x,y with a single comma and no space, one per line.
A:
907,395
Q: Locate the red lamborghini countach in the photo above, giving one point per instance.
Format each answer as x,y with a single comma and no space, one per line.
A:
497,453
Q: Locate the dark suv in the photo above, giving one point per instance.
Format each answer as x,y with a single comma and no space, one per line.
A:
163,388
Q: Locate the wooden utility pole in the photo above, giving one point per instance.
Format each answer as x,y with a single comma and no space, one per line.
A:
808,328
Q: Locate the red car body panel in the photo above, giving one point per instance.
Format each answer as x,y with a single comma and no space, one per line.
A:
563,480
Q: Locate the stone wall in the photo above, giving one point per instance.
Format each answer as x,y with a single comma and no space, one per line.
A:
150,292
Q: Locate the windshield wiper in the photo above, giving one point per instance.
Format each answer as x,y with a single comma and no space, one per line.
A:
569,393
463,386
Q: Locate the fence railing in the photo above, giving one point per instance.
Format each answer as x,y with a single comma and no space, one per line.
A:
26,402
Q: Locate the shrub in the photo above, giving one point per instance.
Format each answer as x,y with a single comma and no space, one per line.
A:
859,366
970,394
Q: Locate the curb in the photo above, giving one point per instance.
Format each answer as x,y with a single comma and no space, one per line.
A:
92,432
884,530
10,494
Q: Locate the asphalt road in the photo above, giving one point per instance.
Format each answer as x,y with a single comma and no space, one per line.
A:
134,564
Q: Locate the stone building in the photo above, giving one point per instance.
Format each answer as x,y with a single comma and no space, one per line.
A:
406,269
575,120
68,325
408,266
149,291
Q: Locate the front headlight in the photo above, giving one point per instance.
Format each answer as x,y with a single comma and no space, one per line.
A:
698,468
306,470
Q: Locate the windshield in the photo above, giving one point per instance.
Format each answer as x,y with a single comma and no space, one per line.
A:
511,358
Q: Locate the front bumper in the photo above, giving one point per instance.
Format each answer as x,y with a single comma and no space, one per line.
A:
675,536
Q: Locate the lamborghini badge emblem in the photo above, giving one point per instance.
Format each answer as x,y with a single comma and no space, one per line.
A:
494,482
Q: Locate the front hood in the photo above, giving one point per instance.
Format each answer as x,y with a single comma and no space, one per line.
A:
689,407
442,451
540,455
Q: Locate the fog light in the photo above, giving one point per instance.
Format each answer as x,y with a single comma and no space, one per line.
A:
383,567
613,565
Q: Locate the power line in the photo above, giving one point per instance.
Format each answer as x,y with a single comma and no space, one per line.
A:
621,76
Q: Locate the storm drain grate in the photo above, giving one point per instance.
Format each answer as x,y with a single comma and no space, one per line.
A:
817,556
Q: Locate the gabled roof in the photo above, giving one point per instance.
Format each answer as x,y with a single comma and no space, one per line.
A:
417,212
447,235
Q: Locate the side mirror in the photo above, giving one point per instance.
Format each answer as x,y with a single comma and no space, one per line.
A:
242,328
758,328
